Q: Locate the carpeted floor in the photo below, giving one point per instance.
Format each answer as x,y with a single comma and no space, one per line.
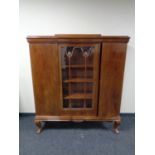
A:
68,138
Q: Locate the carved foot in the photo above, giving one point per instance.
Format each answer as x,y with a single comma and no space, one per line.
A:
38,125
116,126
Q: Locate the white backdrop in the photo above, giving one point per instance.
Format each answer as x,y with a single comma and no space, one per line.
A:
46,17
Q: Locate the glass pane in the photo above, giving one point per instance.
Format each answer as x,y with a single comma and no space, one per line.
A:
65,104
77,103
89,103
77,76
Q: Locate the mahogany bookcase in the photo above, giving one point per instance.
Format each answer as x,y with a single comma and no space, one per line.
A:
77,77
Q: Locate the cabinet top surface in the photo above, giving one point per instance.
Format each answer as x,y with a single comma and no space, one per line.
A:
79,36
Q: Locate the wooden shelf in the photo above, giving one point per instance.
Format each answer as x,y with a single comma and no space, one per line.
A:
78,96
79,66
78,80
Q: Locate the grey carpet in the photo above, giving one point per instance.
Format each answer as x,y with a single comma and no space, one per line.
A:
68,138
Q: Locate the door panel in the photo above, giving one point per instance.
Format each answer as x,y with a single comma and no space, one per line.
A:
79,65
112,70
45,71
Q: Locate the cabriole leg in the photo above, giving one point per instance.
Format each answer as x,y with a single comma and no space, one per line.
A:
38,125
116,126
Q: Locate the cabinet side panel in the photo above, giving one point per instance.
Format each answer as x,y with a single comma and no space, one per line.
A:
45,75
111,78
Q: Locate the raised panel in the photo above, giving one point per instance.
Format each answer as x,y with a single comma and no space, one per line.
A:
111,78
45,71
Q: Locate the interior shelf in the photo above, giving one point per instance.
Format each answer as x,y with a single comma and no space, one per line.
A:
80,80
79,66
78,96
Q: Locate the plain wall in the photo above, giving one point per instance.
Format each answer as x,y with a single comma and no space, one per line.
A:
47,17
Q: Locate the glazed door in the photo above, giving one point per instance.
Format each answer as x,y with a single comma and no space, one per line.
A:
79,66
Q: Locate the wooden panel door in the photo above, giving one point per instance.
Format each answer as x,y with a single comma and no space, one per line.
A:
79,65
45,73
112,70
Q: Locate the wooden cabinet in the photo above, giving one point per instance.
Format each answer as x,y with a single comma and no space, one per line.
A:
77,77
